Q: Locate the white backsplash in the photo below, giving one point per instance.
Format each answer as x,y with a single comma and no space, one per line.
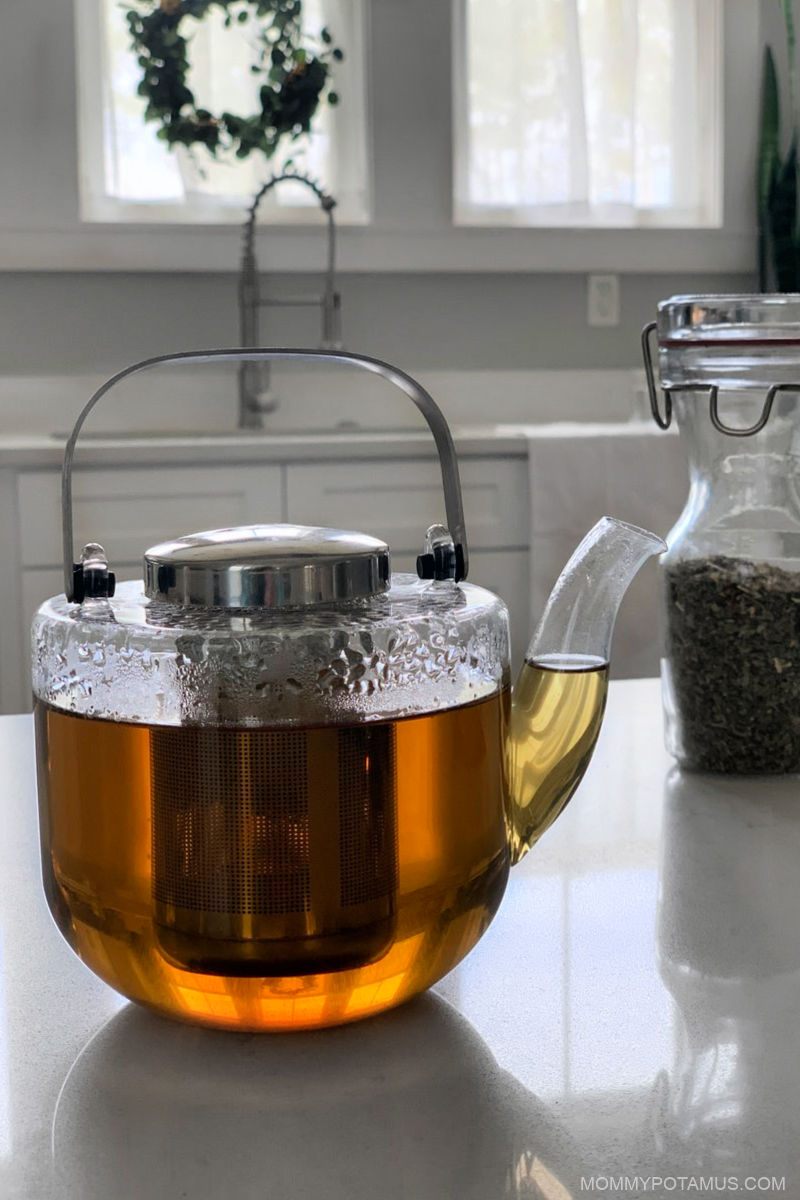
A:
205,399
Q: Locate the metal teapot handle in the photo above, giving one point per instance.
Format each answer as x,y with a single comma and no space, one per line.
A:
439,562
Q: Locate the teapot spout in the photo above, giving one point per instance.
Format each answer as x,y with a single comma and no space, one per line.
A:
579,617
559,698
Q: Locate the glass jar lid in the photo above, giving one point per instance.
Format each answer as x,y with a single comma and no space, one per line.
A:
729,318
267,566
733,342
747,347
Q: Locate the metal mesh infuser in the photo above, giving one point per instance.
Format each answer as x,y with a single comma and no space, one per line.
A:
274,851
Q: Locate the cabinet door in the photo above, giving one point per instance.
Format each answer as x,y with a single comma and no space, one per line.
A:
129,509
398,500
11,699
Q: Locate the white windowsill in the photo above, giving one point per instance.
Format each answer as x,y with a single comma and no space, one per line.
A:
370,248
218,213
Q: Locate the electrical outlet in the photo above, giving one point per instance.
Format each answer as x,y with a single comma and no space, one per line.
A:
602,306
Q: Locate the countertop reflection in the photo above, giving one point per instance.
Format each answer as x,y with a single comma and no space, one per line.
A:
631,1013
729,952
410,1104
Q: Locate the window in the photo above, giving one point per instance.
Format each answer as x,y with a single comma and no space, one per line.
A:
588,112
128,174
403,218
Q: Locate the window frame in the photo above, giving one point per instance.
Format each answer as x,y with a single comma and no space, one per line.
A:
97,207
411,229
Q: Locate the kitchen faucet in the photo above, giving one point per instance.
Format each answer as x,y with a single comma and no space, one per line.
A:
254,377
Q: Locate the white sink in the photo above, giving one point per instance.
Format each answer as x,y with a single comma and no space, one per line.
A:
158,435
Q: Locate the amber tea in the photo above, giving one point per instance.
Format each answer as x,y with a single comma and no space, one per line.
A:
275,878
559,702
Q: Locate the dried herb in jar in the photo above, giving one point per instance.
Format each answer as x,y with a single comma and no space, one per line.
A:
733,648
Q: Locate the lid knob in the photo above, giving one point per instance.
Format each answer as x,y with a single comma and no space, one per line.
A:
91,578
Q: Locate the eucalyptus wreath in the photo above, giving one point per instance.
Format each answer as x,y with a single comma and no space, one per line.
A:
294,67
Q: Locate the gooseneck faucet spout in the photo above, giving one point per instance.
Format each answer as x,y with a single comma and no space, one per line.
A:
254,378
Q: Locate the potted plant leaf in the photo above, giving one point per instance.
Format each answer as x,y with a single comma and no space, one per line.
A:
778,218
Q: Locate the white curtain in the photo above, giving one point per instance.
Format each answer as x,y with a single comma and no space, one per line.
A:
599,109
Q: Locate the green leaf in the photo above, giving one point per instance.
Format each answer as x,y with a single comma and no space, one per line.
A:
768,147
791,43
788,17
782,218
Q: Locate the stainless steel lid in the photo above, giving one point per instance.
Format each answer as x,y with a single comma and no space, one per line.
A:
267,566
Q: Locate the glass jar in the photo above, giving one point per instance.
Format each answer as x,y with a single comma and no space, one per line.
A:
730,582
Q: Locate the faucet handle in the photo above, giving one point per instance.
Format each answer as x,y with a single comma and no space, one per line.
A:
331,321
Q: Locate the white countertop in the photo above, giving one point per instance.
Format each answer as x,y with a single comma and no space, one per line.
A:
35,450
42,450
634,1010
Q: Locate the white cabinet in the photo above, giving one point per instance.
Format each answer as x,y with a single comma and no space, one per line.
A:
12,697
397,501
129,508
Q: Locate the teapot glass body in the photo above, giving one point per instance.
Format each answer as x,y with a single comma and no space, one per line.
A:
273,821
259,819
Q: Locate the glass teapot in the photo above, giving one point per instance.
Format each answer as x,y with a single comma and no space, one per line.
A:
280,787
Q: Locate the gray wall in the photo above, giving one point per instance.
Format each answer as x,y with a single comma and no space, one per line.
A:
51,322
59,321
